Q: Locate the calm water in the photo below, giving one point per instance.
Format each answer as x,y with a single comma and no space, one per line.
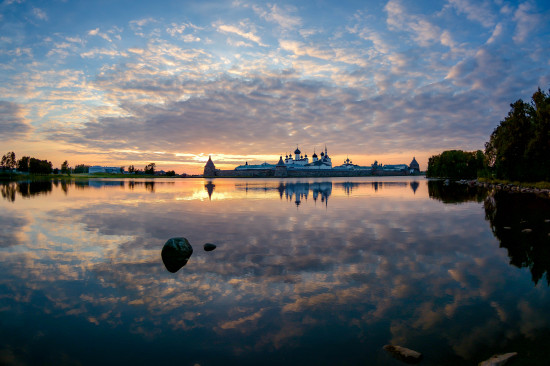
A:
306,272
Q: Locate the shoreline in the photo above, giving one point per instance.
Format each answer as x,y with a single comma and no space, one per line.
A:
512,187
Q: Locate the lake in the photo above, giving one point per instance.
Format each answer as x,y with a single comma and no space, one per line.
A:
305,272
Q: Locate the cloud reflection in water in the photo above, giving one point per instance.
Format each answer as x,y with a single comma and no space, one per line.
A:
381,263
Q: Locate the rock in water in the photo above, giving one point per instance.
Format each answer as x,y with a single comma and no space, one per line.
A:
175,253
404,354
209,247
498,360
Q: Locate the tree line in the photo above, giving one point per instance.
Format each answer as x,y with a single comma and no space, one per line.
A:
517,150
26,164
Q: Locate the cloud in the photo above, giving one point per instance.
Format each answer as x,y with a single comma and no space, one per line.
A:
526,21
278,15
39,14
12,121
479,11
497,32
233,29
373,36
97,32
399,18
12,225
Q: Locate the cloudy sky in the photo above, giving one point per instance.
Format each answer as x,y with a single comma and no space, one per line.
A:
126,82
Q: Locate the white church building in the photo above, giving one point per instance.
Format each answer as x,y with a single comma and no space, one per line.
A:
302,161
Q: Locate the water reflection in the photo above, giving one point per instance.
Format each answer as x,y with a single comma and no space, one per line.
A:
317,190
521,222
455,193
382,264
31,188
25,189
209,186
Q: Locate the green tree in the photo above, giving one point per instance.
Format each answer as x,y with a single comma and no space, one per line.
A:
131,169
37,166
8,161
81,168
519,148
23,164
150,168
65,167
456,164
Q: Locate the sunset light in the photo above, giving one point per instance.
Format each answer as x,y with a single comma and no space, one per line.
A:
112,85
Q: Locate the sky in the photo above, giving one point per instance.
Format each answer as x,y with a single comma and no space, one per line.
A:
116,83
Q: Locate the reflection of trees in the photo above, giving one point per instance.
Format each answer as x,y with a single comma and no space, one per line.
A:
25,189
455,193
149,186
521,223
28,189
33,188
8,190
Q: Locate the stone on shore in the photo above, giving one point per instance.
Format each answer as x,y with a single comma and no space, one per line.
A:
209,247
498,360
404,354
175,253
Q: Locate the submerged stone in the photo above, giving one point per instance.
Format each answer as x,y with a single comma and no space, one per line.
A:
404,354
498,360
209,247
175,253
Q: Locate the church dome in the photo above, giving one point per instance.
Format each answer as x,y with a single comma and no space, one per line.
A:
297,151
314,155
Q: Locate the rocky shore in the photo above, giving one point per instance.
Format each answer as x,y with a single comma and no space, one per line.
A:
505,187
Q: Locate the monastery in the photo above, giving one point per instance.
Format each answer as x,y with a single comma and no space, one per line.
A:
320,166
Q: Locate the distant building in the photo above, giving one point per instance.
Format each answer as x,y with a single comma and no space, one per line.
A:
209,168
302,162
414,167
247,166
105,169
300,166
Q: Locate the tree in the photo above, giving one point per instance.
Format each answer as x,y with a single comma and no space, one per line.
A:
81,168
8,160
39,166
65,167
23,164
131,169
170,173
519,148
456,164
150,168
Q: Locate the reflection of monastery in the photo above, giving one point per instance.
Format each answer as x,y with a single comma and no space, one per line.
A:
320,166
318,191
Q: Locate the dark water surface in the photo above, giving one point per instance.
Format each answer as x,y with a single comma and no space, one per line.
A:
306,272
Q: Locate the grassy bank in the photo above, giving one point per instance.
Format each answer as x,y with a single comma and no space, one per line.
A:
539,185
22,176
